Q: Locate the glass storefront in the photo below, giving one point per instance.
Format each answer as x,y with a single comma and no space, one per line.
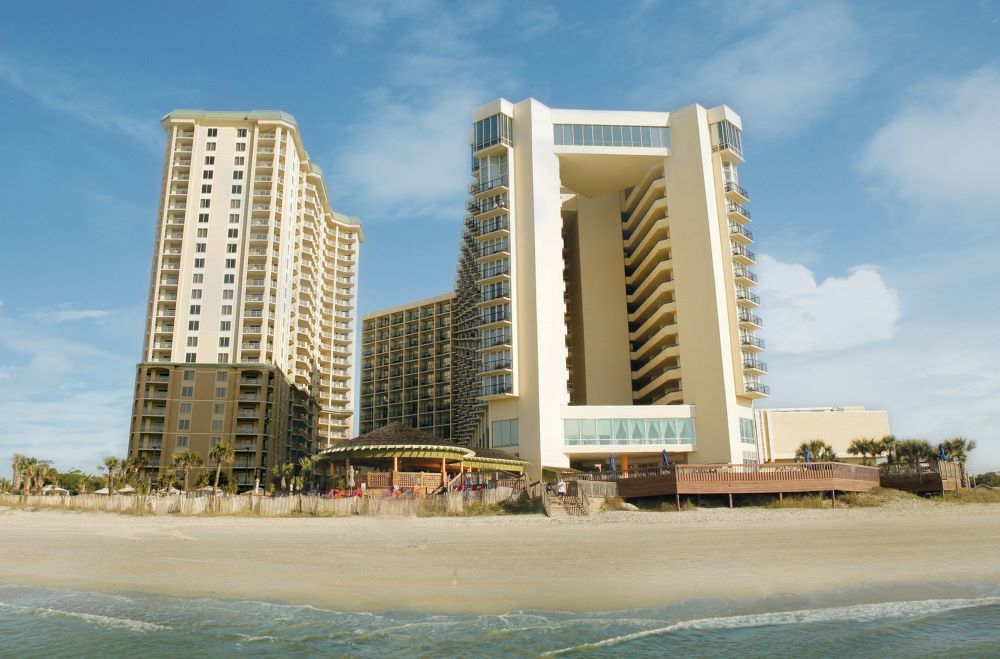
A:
597,432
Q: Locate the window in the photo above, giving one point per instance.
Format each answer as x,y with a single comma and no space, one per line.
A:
230,263
237,175
234,218
605,135
239,161
241,132
213,132
231,248
184,424
210,160
205,203
206,188
223,341
219,409
238,189
504,433
241,146
218,425
198,278
234,233
192,341
187,392
188,375
201,248
203,233
227,310
235,203
220,392
207,174
186,408
210,146
747,432
223,357
202,218
225,326
195,309
221,376
227,294
228,279
595,432
199,263
181,441
196,294
193,326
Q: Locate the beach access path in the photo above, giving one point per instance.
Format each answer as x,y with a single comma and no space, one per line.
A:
613,560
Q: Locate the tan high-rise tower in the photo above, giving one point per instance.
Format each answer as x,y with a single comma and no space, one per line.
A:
250,328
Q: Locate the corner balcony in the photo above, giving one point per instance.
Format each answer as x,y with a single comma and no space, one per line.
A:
740,233
737,213
748,320
742,255
747,298
736,194
750,342
744,276
754,366
499,184
756,390
729,151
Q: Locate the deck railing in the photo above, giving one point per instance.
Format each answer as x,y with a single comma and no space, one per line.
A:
742,472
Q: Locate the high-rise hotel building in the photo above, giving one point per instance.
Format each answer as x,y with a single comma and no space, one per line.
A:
406,366
250,322
605,302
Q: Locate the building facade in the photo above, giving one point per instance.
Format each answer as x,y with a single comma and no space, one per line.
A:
406,367
782,430
250,323
609,266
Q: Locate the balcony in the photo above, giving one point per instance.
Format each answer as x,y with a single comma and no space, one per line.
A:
755,366
740,232
744,276
756,389
742,255
747,318
737,213
736,194
729,151
749,298
500,183
483,206
751,342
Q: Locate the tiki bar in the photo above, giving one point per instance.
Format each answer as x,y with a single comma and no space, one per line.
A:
399,459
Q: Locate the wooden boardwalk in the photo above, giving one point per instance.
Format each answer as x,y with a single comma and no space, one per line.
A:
745,479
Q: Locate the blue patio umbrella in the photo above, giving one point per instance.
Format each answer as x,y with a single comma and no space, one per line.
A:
666,459
944,458
611,462
808,456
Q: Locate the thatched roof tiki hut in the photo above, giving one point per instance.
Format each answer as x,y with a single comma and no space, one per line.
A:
398,456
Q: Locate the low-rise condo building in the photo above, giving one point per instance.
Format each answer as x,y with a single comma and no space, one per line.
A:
250,324
782,430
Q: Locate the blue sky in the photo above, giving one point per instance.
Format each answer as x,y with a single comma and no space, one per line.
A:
870,129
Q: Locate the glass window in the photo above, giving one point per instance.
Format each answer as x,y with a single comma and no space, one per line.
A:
571,428
653,431
604,429
588,429
637,429
616,135
621,430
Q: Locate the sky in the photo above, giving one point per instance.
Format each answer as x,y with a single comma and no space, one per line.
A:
871,139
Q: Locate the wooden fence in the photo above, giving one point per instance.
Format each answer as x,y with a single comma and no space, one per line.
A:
380,506
924,477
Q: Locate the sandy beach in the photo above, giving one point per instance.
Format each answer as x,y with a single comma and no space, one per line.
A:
613,560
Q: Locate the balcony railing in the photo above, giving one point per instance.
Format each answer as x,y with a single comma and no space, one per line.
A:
757,388
736,189
741,230
747,295
755,364
747,317
752,341
738,210
740,250
745,274
482,186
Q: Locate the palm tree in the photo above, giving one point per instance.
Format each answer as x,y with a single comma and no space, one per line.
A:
305,470
220,453
914,451
887,445
18,463
958,448
132,469
5,486
110,466
168,479
284,472
186,461
866,447
37,473
819,451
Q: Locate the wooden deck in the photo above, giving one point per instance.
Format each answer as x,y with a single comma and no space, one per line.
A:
747,479
925,478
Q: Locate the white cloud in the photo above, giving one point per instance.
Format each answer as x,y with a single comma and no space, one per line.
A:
65,315
839,312
939,151
788,71
76,96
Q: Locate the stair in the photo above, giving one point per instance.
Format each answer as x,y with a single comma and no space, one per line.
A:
568,507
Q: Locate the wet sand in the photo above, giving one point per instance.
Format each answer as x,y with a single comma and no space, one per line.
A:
613,560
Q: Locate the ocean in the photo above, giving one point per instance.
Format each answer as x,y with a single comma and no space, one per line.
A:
915,620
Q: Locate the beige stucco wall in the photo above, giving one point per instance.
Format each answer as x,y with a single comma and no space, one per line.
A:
782,431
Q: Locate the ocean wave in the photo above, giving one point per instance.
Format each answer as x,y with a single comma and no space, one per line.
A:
855,613
93,618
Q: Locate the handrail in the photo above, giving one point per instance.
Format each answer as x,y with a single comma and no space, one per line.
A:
748,472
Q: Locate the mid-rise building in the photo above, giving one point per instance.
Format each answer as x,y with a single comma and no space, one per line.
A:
782,430
250,323
605,281
406,367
